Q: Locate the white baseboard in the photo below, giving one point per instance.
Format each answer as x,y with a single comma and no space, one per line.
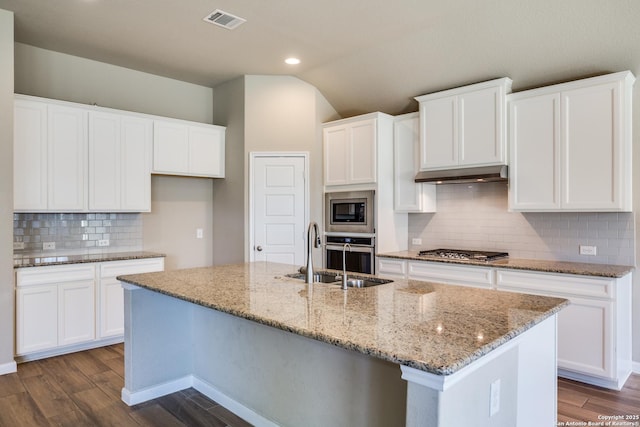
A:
8,368
597,381
232,405
203,387
30,357
635,367
156,391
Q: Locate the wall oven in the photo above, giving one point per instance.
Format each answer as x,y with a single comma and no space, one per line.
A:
349,212
361,258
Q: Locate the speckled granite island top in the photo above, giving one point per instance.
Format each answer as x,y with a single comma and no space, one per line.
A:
41,260
563,267
431,327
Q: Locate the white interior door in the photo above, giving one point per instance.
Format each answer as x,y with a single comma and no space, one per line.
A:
279,209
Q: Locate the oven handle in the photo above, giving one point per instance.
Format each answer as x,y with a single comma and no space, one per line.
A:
354,248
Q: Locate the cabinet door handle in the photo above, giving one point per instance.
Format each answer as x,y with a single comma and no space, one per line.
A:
259,248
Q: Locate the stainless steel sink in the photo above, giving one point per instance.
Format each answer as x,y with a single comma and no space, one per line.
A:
332,278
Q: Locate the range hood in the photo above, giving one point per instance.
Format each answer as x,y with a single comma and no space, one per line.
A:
464,175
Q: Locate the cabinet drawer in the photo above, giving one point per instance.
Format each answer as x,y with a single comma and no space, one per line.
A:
452,274
556,284
138,266
54,274
392,267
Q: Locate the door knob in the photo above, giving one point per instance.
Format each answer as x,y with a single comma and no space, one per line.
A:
259,248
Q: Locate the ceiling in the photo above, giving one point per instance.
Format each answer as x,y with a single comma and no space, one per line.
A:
363,55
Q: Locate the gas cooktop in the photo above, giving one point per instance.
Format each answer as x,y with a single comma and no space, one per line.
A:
464,255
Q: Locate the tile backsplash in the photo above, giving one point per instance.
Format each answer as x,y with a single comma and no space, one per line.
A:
77,232
476,216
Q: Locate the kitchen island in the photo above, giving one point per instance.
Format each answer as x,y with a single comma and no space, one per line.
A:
280,352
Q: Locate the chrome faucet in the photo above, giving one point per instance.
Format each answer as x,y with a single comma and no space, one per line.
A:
312,227
344,265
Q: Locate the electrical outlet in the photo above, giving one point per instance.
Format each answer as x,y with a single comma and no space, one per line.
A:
199,233
416,241
104,242
494,392
588,250
48,246
18,245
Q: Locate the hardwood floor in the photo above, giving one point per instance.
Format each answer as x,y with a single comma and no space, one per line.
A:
83,389
584,403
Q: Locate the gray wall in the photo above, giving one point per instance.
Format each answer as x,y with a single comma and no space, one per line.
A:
41,72
281,115
229,193
179,205
264,113
6,188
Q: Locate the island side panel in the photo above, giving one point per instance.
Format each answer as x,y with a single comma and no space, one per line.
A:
158,343
524,367
293,380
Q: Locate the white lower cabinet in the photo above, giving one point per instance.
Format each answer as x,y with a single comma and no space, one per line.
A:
55,306
452,274
66,308
76,312
388,267
111,308
594,331
36,318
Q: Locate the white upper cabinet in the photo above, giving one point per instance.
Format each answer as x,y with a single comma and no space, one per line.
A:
570,146
350,151
119,162
49,161
30,156
464,127
206,150
78,158
180,148
409,196
66,158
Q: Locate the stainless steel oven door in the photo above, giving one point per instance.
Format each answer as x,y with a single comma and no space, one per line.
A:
361,259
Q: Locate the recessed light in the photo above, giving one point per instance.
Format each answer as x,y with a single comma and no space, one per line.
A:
292,61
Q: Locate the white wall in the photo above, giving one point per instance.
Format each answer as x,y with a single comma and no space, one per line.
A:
476,216
6,192
179,205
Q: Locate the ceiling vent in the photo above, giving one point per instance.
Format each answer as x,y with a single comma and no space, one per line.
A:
224,19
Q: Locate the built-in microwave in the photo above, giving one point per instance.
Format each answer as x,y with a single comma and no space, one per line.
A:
349,212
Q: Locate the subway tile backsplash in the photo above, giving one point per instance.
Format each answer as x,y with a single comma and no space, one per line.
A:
77,232
476,216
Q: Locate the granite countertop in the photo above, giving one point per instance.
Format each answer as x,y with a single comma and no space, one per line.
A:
428,326
41,260
563,267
